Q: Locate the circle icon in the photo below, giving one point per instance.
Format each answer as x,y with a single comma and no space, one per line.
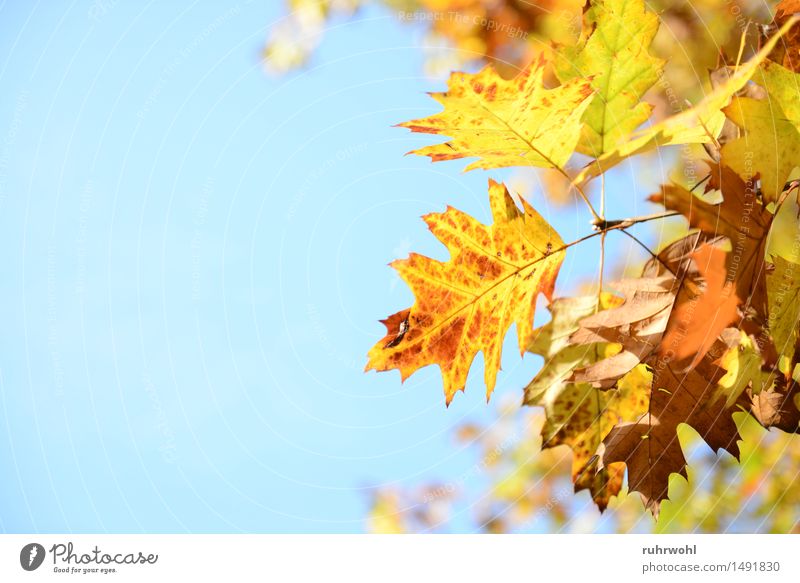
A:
31,556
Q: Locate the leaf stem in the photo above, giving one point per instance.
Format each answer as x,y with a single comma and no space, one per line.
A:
602,266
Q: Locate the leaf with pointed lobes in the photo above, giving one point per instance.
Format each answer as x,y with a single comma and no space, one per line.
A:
467,304
696,322
770,146
577,414
516,122
637,326
697,125
639,323
740,218
736,214
650,448
616,57
649,445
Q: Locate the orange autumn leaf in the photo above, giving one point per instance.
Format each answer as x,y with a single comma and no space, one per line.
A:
466,304
695,324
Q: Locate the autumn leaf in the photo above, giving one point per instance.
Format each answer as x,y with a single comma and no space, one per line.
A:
770,146
577,414
636,325
694,324
466,304
735,214
649,447
778,407
515,122
774,392
784,232
738,216
699,124
783,285
552,341
616,58
742,363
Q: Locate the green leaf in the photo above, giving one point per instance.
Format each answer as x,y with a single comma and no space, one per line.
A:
770,146
616,57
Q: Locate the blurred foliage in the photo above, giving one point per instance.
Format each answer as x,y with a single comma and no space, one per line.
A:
696,35
516,487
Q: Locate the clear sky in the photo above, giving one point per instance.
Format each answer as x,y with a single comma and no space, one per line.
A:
194,258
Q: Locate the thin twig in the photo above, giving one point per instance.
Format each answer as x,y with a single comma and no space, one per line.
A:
652,254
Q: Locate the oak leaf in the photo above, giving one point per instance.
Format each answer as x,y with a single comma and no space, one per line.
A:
699,124
737,215
516,122
770,146
649,446
637,326
466,304
616,58
695,324
577,414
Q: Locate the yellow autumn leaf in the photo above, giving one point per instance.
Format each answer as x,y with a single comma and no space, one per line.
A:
466,304
770,146
516,122
698,124
742,364
616,58
579,415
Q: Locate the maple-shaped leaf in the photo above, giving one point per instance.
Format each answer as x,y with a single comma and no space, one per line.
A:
577,414
466,304
736,214
637,325
699,124
770,146
695,323
650,448
516,122
616,58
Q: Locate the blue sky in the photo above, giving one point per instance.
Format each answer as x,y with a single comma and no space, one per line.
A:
195,262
